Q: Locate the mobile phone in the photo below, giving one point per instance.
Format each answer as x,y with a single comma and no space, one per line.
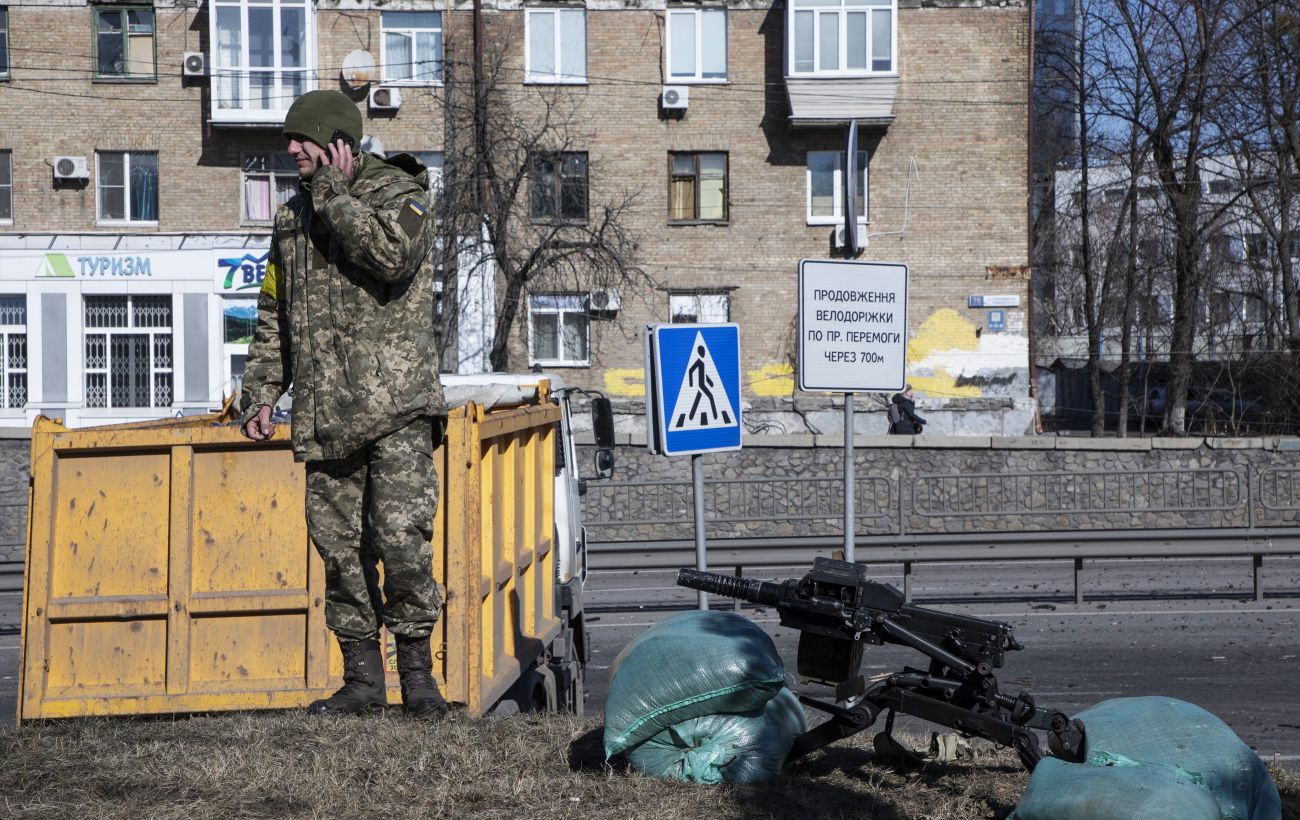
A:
348,141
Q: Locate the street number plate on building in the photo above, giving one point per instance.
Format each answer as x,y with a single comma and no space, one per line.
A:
852,326
694,388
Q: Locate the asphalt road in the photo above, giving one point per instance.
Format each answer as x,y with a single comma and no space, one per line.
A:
1186,629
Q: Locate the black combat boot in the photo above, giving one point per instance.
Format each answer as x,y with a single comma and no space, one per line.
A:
420,692
363,681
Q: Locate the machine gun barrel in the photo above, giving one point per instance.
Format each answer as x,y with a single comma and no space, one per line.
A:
730,586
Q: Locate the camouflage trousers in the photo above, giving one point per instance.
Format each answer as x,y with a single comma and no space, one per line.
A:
377,506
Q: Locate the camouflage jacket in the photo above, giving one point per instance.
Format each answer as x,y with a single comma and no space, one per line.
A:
346,312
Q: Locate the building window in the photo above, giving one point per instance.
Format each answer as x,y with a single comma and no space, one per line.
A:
6,187
697,45
4,42
1256,247
826,187
411,53
558,329
556,45
697,187
262,58
699,308
127,186
239,320
842,37
559,187
270,180
128,351
13,364
124,44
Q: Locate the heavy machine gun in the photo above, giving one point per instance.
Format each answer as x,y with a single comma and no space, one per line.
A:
838,610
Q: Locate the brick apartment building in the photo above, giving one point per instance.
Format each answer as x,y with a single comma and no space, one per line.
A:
127,282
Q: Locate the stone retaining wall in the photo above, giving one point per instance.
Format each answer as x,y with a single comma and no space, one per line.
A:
933,484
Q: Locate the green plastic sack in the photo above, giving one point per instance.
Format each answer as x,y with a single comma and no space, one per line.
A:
748,748
1154,734
693,664
1075,791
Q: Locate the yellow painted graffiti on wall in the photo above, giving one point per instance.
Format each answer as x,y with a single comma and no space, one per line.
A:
625,382
772,380
945,347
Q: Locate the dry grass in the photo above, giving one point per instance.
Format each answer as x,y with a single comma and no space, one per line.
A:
286,765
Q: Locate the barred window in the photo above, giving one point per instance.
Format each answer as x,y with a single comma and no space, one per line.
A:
13,364
128,351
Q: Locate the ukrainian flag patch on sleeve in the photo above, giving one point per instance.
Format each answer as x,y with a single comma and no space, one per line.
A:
412,216
271,283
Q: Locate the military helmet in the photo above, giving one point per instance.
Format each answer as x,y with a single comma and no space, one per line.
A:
316,115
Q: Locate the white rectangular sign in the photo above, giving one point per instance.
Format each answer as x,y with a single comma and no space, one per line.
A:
852,326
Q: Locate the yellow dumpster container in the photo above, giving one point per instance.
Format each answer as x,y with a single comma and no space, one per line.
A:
169,568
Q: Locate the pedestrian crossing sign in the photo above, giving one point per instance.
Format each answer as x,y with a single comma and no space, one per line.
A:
694,388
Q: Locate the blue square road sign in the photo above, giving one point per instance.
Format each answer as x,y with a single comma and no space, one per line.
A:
697,376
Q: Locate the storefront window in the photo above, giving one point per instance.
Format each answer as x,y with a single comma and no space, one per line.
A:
13,362
128,354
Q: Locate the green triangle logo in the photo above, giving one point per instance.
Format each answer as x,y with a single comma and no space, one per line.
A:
55,265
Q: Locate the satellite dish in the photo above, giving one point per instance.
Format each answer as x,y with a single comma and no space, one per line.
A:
359,69
372,145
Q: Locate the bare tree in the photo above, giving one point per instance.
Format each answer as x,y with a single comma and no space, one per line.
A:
518,189
1180,50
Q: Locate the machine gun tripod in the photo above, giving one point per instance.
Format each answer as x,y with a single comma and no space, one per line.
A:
838,610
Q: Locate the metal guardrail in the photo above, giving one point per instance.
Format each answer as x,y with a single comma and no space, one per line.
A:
1006,516
908,550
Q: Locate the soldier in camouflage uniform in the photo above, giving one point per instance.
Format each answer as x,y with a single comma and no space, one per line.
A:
345,316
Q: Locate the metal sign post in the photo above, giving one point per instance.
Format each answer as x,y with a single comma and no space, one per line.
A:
693,403
852,338
848,478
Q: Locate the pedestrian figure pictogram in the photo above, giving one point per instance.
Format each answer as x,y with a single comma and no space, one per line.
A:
701,401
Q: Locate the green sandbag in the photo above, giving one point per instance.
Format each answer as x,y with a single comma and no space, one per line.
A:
1136,738
747,748
1075,791
693,664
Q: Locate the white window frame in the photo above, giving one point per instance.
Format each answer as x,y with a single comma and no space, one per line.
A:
7,157
4,35
698,77
272,174
231,349
842,10
241,73
584,311
130,329
696,300
556,78
126,190
411,32
838,201
8,332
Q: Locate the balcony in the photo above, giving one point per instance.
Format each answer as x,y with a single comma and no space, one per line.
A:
262,59
842,61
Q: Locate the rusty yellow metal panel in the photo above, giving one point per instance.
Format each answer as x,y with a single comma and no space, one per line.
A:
169,567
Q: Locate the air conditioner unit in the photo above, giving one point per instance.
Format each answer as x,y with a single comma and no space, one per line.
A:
605,300
71,168
385,99
675,97
194,64
841,239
